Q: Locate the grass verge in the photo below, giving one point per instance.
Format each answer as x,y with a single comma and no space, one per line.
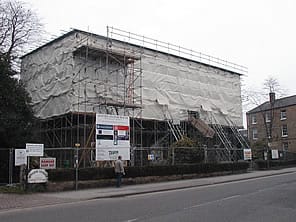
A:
12,189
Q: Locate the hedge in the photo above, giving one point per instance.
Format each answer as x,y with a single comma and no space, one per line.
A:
57,175
262,164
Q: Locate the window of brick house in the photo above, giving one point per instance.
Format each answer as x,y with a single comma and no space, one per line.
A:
255,134
283,115
267,117
254,119
284,130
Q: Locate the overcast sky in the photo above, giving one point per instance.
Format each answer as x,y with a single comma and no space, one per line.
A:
258,34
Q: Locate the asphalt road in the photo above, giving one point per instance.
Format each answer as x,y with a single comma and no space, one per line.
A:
263,199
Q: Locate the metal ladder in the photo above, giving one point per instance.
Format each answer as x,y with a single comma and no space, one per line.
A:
175,128
237,134
224,139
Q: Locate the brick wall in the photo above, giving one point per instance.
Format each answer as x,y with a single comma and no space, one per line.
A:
278,140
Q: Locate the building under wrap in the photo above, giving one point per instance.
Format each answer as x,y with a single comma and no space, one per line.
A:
79,74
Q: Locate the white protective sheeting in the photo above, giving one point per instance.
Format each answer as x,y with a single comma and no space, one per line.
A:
60,82
186,85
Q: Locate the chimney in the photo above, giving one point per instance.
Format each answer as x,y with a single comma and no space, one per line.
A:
271,97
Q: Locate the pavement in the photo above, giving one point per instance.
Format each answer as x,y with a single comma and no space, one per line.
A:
19,201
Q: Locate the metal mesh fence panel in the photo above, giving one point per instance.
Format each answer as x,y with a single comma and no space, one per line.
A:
9,173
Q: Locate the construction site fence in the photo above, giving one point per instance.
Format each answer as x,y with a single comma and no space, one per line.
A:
72,157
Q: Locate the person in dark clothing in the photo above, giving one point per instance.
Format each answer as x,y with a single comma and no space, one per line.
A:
119,171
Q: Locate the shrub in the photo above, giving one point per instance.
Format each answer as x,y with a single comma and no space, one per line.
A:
262,164
136,171
61,174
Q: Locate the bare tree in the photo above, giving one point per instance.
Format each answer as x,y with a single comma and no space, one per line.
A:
20,27
252,98
272,84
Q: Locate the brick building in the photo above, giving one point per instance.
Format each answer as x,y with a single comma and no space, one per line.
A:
273,123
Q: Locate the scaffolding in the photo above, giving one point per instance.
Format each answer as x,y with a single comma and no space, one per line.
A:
177,50
122,75
120,62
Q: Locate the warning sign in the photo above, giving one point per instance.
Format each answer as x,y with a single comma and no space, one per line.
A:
247,154
48,163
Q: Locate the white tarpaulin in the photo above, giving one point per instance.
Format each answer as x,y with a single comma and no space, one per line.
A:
60,82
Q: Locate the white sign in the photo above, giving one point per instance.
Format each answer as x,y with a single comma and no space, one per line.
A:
112,154
37,176
48,163
274,154
150,156
112,137
247,154
20,157
34,149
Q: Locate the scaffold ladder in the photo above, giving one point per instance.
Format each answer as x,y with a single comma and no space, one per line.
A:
237,134
175,128
223,138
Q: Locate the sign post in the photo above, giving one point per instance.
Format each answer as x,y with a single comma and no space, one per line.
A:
77,145
10,166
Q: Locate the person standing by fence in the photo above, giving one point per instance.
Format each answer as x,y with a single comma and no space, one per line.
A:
119,171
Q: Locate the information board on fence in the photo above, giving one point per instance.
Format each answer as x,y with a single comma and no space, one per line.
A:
20,157
112,137
48,163
34,149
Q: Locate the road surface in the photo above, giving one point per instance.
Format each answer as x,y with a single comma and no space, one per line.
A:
267,199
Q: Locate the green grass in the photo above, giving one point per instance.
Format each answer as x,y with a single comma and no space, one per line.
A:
12,189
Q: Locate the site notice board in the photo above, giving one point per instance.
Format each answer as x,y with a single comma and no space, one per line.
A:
112,137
